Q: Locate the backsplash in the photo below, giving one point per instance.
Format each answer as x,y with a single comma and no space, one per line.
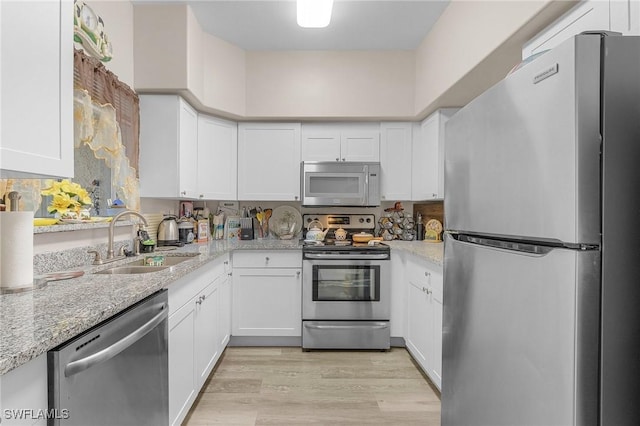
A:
73,258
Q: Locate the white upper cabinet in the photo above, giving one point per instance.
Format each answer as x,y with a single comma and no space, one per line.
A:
341,142
427,159
395,160
168,147
611,15
36,88
269,161
217,158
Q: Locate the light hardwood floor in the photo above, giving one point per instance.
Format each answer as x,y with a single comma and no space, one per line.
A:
285,386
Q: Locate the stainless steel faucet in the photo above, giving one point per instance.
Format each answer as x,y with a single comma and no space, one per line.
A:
110,256
112,225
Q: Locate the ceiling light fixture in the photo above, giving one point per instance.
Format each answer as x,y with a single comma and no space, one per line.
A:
314,13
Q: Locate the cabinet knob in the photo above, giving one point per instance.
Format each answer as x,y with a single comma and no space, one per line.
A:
204,296
295,197
344,159
298,274
337,159
201,196
434,195
266,259
429,291
230,273
183,193
226,262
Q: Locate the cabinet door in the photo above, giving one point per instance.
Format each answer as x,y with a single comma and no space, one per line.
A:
424,168
395,160
435,371
188,153
206,326
398,317
217,158
224,320
267,302
269,162
182,379
36,106
360,146
419,322
321,146
587,15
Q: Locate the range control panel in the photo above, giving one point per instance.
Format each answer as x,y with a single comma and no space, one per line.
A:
345,221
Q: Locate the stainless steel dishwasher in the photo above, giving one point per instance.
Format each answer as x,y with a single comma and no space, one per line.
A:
115,373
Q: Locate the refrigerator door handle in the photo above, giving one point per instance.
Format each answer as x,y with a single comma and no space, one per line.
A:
521,246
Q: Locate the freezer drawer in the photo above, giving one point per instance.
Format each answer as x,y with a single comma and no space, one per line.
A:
520,336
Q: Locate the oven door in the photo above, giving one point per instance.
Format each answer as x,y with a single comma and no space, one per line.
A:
345,289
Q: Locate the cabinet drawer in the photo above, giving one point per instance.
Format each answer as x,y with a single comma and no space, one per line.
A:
187,287
268,259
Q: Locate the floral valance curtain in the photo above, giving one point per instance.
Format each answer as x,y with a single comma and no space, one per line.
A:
104,88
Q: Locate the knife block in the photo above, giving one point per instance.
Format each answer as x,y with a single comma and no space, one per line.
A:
246,228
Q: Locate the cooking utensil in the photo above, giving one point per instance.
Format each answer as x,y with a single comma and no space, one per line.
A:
362,237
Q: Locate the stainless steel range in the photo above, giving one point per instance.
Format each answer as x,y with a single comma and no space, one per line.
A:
346,288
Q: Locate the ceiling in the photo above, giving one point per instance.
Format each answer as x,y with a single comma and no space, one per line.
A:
355,24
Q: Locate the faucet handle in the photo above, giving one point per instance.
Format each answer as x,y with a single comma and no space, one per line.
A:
97,260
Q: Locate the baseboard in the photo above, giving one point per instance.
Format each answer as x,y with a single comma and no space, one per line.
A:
265,341
398,342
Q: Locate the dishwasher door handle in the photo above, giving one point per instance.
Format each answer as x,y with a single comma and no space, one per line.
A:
109,352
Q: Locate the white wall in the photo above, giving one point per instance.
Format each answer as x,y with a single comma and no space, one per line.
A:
473,45
118,25
330,84
160,49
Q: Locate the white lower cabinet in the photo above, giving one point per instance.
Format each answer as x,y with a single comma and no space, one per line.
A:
23,394
207,345
182,380
196,322
267,293
424,316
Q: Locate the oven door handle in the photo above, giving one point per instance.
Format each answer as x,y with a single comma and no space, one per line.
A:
378,256
376,326
109,352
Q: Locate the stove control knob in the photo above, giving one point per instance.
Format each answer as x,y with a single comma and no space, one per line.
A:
368,220
309,220
361,220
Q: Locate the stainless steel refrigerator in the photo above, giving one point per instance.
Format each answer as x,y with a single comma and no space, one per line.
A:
541,318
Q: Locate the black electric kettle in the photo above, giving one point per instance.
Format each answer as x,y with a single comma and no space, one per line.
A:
168,232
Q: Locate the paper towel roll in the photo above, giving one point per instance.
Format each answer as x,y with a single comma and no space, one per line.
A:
16,250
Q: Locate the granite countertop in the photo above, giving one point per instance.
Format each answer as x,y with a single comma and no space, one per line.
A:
36,321
433,252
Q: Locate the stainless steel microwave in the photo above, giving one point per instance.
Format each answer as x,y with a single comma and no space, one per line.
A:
340,184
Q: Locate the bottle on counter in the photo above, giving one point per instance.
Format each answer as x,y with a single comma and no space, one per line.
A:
419,227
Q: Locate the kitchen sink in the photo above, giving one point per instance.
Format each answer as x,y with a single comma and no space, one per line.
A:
132,270
168,261
139,267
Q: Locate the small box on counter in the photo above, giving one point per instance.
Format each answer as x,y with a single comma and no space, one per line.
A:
203,230
154,260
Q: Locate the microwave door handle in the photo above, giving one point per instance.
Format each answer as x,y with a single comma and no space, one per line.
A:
346,256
